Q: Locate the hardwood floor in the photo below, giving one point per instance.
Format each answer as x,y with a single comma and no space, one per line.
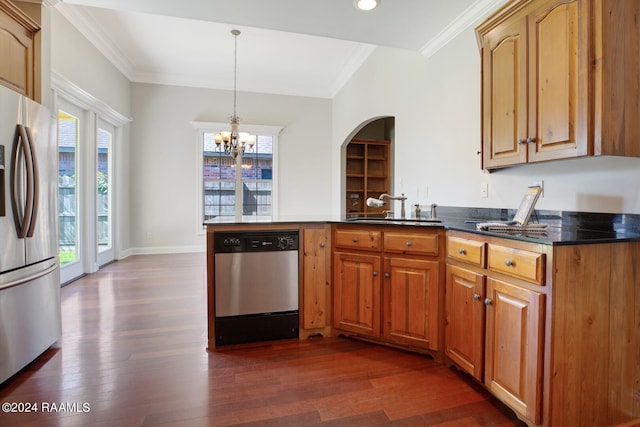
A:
133,354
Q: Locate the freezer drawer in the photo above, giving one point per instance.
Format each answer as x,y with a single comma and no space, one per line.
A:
30,320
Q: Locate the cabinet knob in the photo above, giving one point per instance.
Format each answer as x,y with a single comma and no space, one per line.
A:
487,301
375,274
508,263
476,297
409,243
387,275
322,245
355,240
522,141
531,139
462,251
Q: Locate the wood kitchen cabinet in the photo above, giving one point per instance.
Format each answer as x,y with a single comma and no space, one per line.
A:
20,50
411,288
315,313
560,79
495,312
593,377
514,347
534,83
465,319
387,285
411,301
357,293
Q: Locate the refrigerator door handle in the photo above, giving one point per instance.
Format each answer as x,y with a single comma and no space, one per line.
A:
29,278
21,144
35,183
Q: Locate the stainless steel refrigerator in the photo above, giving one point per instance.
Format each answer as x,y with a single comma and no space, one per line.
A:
29,273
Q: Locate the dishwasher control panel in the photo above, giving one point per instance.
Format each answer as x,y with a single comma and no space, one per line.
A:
262,241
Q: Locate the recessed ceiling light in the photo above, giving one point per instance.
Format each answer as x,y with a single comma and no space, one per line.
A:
366,4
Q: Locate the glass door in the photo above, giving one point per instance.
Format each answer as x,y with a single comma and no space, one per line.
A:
69,187
85,191
104,193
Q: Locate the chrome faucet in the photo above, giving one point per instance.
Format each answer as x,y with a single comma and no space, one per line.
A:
379,202
433,211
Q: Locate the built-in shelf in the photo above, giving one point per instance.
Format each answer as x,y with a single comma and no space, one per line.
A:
368,173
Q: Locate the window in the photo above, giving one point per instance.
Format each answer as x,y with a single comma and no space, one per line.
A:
240,189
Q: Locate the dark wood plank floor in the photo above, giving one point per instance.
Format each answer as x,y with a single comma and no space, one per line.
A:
133,354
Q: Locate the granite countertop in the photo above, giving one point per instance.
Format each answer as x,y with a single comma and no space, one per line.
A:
564,228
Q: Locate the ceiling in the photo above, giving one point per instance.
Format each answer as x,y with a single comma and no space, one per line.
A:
289,47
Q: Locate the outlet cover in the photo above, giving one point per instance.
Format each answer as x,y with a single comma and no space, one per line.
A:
484,190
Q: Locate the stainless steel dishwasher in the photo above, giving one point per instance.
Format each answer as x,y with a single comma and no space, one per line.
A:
256,286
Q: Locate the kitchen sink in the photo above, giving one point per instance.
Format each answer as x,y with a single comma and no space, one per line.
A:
409,221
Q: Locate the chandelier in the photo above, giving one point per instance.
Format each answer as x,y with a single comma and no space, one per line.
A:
234,142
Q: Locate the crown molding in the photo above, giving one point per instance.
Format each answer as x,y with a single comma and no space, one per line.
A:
470,16
90,29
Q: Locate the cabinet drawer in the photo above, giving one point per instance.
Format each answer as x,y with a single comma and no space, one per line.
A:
358,239
411,243
517,263
466,250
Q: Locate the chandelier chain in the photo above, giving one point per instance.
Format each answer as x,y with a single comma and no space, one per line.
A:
235,68
234,142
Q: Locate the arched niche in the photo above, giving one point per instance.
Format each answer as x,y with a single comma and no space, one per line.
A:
367,166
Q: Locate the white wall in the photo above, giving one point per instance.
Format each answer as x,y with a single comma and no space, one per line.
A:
164,151
436,103
82,65
76,59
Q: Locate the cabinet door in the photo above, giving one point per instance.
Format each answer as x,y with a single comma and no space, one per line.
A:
411,302
558,92
17,47
357,293
504,94
514,346
464,325
315,278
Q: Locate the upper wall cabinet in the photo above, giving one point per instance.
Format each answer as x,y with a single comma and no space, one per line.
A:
560,79
19,50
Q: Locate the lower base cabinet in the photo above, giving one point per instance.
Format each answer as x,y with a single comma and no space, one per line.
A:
356,304
514,347
494,327
386,285
411,302
465,319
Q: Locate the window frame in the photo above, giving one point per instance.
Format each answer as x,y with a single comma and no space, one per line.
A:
206,127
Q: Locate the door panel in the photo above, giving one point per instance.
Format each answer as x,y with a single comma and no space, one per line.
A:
12,254
42,128
514,346
357,293
558,118
465,319
505,95
411,301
